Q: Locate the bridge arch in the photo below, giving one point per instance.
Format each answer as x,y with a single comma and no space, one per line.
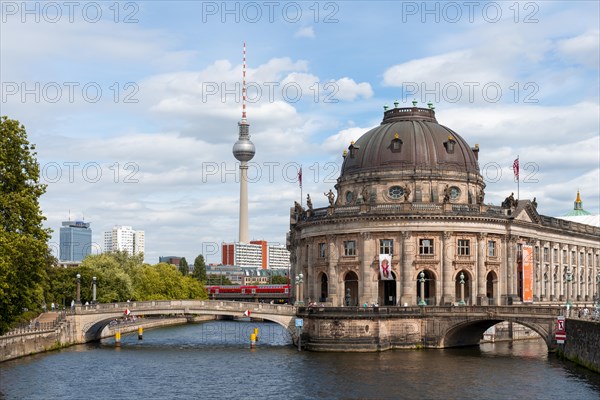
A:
469,333
91,321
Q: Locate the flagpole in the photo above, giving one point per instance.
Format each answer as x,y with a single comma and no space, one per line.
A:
518,179
300,181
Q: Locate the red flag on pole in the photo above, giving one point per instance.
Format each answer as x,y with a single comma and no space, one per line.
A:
300,176
516,168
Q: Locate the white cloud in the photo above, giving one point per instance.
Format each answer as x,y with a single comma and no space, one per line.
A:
583,49
306,32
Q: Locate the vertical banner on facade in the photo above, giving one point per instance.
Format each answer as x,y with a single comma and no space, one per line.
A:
527,274
385,267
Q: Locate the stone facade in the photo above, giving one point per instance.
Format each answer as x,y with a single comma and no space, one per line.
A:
411,189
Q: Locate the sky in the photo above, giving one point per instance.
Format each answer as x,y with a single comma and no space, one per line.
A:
133,106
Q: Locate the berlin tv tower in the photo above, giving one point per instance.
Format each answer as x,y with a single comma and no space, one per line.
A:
243,151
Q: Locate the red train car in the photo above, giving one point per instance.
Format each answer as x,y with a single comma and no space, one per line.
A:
249,292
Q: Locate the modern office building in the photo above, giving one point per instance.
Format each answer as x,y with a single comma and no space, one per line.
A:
124,238
75,241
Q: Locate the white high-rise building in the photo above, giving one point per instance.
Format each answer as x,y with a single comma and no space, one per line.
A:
124,238
279,258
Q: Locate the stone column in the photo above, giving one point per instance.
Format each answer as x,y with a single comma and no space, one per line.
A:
334,255
447,282
310,277
552,291
397,253
481,282
368,288
511,267
408,255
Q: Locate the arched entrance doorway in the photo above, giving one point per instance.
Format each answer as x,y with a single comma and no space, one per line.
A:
467,287
427,281
491,287
350,289
387,291
324,292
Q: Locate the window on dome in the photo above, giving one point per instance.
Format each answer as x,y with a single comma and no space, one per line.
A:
396,145
396,192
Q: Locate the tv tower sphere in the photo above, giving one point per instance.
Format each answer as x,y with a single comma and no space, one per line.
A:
243,149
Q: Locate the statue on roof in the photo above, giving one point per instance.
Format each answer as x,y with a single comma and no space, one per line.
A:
309,202
534,203
331,197
510,201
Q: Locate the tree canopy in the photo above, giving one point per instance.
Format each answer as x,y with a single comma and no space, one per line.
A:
199,268
23,240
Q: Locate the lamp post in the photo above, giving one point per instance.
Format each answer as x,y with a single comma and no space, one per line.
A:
569,277
462,289
299,296
422,302
78,297
94,290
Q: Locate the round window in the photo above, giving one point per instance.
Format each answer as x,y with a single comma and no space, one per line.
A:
349,197
454,193
396,192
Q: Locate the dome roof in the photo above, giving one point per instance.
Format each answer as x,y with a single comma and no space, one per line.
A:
410,138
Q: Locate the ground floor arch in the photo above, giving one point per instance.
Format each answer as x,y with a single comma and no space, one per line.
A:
491,287
350,289
387,289
462,287
323,287
426,287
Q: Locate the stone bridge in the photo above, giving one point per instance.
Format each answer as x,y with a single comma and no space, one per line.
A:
383,328
89,321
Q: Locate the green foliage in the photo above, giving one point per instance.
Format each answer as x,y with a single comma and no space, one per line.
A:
279,280
199,268
184,268
164,282
23,240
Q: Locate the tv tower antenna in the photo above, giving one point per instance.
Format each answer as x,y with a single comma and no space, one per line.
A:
243,151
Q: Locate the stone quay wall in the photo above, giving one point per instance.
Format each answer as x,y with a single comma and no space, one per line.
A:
24,343
36,341
582,341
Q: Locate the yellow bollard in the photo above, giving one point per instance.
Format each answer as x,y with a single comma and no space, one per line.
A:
140,333
118,339
256,333
252,340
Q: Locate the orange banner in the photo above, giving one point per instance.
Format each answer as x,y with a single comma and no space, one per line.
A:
527,274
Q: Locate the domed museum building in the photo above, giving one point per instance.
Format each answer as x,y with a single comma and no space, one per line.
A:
409,226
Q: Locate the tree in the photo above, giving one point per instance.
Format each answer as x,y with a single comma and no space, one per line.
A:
199,268
23,241
279,280
184,268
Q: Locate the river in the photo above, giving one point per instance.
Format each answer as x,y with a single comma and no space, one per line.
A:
213,360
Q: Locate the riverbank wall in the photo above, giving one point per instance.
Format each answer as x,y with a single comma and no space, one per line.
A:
581,345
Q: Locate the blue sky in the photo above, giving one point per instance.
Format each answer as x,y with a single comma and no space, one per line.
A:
148,142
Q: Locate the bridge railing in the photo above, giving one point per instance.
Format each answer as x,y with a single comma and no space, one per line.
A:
432,310
179,304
